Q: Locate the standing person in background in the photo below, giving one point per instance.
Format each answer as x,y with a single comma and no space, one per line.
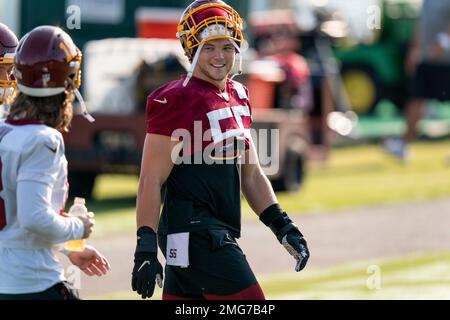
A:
428,66
8,44
282,45
297,91
33,177
201,217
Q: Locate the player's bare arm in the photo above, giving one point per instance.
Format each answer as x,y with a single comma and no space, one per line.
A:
155,168
255,185
90,261
261,198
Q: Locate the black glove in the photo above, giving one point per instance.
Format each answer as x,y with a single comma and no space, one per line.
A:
147,268
287,234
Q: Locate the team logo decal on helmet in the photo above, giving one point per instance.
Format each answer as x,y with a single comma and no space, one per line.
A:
47,63
205,20
8,44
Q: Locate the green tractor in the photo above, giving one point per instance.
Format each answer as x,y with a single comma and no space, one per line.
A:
375,72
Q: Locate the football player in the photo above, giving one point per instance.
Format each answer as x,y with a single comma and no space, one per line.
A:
8,44
200,220
33,176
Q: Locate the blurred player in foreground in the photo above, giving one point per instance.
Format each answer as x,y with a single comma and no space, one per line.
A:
8,45
33,177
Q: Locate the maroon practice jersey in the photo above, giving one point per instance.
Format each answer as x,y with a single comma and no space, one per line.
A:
202,110
202,195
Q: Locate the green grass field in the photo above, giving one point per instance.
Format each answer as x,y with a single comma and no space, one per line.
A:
353,176
364,176
411,277
425,276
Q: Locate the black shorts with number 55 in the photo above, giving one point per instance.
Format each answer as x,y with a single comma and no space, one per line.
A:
218,269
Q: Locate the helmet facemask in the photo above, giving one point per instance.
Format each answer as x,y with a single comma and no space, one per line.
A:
8,44
74,82
8,85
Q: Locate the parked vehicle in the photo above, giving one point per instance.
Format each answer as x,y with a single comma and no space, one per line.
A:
375,71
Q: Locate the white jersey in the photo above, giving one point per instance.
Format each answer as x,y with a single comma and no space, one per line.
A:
33,192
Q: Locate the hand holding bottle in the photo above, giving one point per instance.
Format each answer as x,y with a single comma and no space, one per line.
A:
79,210
88,222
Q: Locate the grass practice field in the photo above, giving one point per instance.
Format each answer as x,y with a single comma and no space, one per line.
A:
425,276
353,176
412,277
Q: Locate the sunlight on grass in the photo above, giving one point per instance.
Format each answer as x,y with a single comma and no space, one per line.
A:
115,186
420,276
411,277
354,176
115,221
364,176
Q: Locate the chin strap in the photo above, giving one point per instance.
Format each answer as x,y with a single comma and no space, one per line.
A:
194,63
80,99
240,59
84,110
4,110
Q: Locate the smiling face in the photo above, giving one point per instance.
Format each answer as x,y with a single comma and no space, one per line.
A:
215,62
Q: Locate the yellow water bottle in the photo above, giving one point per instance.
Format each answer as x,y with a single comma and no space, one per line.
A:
77,209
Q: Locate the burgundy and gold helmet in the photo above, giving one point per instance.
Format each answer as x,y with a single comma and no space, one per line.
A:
8,45
47,62
205,20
